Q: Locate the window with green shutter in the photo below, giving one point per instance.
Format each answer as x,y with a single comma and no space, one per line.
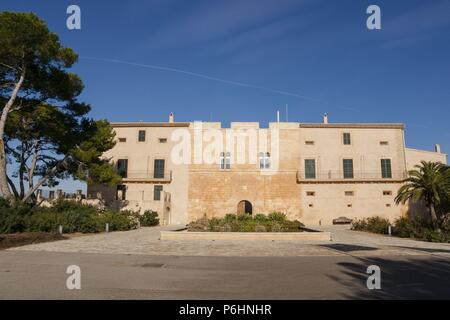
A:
347,138
158,172
310,169
157,193
386,169
348,168
122,167
141,136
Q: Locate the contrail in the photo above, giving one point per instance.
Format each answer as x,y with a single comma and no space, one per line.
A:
204,76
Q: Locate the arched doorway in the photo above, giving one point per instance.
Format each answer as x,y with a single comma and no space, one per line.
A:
244,206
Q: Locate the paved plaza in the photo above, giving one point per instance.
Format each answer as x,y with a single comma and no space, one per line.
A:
145,241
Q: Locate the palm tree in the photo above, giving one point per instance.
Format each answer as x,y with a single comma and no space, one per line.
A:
430,182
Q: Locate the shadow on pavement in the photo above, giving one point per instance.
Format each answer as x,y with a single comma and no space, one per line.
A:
407,278
347,247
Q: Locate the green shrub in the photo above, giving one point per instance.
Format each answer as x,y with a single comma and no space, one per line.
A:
261,217
276,222
419,228
244,217
119,220
13,218
404,227
229,217
72,216
373,224
149,219
277,216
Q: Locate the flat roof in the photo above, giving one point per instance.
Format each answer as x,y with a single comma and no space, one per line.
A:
354,125
148,124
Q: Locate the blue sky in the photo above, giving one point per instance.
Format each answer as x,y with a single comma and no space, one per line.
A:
316,56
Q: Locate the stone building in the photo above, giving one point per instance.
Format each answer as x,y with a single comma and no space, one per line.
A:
312,172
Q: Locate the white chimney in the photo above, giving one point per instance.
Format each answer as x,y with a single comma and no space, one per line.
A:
278,116
325,118
437,148
171,117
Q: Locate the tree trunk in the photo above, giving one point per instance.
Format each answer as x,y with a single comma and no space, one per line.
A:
4,188
39,183
434,218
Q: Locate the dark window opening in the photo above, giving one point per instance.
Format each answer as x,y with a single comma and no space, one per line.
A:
157,193
122,167
141,136
310,169
347,138
159,169
386,170
348,168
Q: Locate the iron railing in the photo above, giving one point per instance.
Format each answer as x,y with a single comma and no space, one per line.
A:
145,175
330,176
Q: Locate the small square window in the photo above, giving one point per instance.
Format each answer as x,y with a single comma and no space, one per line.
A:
387,193
388,205
122,139
309,143
310,193
162,140
310,205
349,205
349,193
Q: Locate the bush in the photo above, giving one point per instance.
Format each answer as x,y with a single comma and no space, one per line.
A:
404,227
261,217
277,216
275,222
373,224
72,216
419,228
149,219
119,220
13,218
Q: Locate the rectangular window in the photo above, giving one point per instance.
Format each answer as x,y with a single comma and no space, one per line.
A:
121,192
384,143
225,160
141,136
387,193
349,193
310,193
122,140
157,193
310,169
122,167
158,172
264,160
162,140
309,143
346,138
386,170
348,168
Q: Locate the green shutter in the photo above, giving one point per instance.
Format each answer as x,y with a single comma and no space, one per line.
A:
159,169
386,169
310,168
348,168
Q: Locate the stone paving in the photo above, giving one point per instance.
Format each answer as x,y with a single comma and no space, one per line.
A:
145,241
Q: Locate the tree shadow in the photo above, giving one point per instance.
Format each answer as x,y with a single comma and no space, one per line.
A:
401,278
347,247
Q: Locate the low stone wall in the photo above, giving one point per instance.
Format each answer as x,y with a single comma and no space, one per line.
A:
264,236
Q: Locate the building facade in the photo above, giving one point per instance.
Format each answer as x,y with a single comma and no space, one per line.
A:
312,172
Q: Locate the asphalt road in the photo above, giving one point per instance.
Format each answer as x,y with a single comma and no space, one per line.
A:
42,275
